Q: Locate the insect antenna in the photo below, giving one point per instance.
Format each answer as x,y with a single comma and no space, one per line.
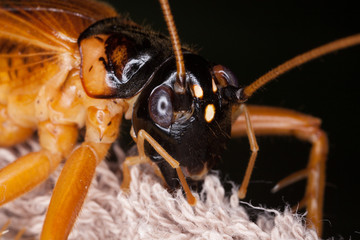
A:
180,82
299,60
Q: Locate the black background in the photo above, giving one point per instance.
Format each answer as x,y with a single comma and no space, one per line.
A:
251,38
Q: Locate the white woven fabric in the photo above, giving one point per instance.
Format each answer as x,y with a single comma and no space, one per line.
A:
148,211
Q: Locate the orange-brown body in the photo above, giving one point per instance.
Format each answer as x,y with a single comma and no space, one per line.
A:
39,67
41,90
53,83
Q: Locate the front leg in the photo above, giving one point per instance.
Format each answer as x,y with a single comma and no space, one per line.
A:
140,138
75,179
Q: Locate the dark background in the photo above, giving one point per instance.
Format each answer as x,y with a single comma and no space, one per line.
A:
251,38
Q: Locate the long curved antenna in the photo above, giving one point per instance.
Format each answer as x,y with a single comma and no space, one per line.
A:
180,83
301,59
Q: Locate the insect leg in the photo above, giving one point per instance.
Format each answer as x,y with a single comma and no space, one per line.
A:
71,189
254,149
129,161
141,137
4,228
102,126
32,169
133,160
277,121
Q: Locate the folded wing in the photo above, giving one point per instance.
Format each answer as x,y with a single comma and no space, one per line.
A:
39,38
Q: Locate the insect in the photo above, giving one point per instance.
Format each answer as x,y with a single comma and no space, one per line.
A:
66,66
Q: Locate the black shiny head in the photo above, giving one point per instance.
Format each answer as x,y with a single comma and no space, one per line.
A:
192,127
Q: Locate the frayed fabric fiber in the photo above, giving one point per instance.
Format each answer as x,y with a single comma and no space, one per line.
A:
148,210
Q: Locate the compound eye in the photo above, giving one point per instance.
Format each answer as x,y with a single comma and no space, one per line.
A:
225,77
161,107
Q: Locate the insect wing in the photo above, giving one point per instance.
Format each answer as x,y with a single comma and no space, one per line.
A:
39,38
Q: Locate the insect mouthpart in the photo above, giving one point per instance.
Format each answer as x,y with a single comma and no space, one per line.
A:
197,176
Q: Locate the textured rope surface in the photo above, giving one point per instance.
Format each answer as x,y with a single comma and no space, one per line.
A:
148,211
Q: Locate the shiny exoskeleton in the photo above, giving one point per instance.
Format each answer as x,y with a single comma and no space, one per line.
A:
72,65
194,126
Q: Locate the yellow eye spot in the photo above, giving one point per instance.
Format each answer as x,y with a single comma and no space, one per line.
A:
209,112
214,88
198,91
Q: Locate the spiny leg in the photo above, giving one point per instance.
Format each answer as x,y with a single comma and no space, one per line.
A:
30,170
277,121
75,178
